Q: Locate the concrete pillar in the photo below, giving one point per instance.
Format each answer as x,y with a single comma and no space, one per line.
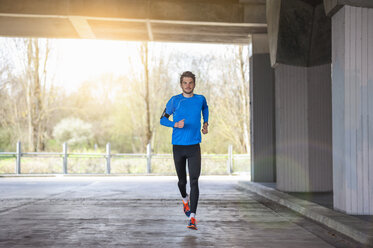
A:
303,128
352,77
300,48
262,109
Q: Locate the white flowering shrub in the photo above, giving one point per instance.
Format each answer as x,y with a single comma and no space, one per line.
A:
74,131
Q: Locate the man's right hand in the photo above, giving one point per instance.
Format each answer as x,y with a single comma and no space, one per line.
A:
179,124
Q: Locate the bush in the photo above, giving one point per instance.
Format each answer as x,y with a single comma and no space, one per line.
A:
73,131
6,140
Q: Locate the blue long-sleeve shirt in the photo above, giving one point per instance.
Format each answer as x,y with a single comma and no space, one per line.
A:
189,109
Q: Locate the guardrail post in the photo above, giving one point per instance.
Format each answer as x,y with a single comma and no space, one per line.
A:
64,154
230,160
19,155
108,157
149,159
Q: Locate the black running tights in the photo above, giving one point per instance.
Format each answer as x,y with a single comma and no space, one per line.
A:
193,154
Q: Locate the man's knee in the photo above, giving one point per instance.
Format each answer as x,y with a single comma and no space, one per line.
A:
194,182
182,182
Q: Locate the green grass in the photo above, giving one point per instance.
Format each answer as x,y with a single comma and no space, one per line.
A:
7,164
95,164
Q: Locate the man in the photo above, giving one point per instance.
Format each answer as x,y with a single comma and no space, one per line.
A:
186,109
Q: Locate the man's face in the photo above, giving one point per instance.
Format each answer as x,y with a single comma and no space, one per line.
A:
187,84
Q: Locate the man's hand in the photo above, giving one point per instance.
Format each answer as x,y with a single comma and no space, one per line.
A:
179,124
205,128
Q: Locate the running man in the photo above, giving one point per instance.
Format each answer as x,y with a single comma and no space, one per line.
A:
186,109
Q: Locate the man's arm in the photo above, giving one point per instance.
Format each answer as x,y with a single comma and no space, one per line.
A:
205,114
169,110
164,119
205,129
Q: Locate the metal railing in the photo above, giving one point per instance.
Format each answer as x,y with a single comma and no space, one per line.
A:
108,156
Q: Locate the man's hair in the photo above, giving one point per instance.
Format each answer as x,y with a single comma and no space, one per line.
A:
187,74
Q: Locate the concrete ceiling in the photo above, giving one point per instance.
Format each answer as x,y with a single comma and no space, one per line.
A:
216,21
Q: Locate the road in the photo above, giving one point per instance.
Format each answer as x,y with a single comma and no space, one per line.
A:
146,211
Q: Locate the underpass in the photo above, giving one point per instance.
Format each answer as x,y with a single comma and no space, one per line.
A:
146,211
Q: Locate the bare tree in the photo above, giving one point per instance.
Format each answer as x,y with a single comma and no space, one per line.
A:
36,97
147,93
31,94
160,91
139,101
145,62
233,116
244,95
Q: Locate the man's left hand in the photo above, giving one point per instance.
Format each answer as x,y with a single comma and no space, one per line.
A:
205,128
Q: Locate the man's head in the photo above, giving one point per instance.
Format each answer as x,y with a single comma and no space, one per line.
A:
187,82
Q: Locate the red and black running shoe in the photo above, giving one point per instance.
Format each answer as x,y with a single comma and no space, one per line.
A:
186,208
192,224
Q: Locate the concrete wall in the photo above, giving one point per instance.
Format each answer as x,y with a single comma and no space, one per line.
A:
299,32
300,50
352,55
218,21
303,128
291,128
262,118
332,6
320,127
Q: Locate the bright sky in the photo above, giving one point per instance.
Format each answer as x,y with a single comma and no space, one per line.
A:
80,60
76,60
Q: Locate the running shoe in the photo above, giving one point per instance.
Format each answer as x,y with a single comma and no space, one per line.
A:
186,208
192,224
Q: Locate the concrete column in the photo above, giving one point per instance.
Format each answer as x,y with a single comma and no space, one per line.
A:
300,47
262,109
352,77
303,128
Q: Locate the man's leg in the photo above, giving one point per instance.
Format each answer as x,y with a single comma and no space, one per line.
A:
180,166
194,165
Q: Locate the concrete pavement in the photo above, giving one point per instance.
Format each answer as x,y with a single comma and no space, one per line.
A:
359,228
147,212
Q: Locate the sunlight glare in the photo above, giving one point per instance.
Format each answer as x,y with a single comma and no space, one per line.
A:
82,60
